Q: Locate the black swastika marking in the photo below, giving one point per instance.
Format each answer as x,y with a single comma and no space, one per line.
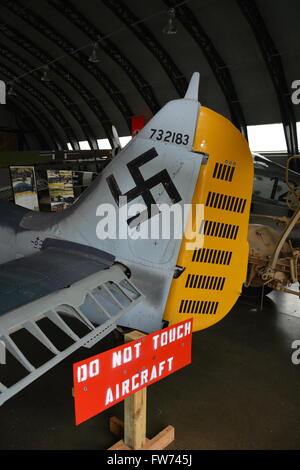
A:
143,187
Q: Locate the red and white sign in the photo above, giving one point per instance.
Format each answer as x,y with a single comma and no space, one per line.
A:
108,378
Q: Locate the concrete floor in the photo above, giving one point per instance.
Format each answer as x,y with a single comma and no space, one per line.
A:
241,391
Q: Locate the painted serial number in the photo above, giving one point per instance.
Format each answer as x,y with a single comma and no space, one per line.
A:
168,136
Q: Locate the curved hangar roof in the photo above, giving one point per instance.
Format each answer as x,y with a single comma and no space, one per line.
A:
246,51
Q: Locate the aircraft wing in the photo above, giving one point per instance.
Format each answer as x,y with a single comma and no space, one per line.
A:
61,285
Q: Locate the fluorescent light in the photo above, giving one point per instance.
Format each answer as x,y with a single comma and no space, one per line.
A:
69,146
267,138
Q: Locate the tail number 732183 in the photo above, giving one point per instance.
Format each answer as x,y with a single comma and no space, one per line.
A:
168,136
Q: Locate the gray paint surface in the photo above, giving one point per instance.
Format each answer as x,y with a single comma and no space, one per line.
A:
151,262
56,266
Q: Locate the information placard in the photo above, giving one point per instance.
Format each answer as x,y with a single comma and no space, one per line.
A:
24,186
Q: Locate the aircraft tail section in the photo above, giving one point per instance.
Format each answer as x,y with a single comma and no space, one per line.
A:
157,167
214,273
119,211
185,154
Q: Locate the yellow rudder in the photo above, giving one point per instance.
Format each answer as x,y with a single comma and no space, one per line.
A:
214,272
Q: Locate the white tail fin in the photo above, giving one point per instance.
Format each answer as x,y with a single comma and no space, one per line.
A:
193,89
156,167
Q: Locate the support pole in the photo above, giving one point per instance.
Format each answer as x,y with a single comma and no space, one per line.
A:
135,410
134,426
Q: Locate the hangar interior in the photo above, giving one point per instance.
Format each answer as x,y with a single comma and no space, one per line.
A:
80,81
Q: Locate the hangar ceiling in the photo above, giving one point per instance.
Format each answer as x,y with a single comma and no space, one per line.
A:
246,51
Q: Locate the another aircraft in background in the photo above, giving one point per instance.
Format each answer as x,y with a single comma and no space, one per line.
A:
270,190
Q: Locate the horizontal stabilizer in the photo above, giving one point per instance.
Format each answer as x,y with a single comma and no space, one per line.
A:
101,298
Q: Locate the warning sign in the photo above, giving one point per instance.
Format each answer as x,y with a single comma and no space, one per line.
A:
108,378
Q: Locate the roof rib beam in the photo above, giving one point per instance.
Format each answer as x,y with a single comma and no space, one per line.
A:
32,49
148,40
39,119
66,8
275,67
45,28
32,125
66,101
44,102
218,66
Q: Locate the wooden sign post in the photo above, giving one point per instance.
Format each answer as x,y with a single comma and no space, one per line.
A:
135,410
135,420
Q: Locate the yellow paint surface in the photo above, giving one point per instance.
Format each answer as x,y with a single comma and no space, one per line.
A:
208,300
